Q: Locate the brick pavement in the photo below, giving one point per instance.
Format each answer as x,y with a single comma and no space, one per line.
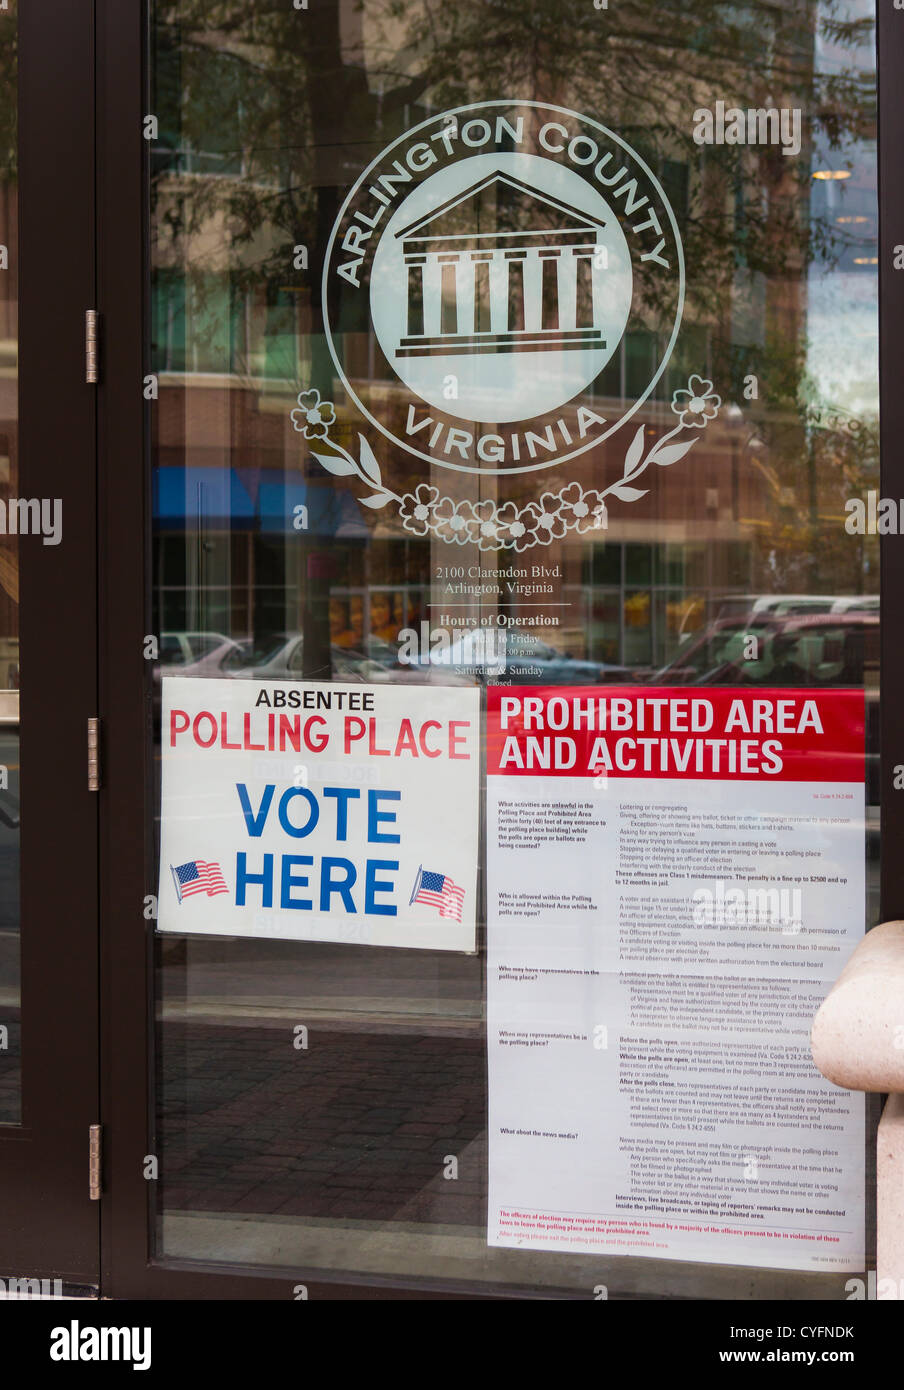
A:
356,1126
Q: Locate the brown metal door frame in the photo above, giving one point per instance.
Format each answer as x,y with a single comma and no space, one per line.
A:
891,419
48,1225
127,939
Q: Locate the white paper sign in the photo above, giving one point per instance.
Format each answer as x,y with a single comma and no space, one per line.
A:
320,812
675,879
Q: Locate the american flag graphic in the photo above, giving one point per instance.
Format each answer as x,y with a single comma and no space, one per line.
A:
438,890
198,876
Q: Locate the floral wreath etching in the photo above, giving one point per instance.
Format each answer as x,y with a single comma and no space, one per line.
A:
507,526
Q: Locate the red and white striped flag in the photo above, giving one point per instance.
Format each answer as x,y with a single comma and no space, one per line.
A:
198,876
438,890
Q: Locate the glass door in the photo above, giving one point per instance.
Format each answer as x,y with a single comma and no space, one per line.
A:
509,402
49,1100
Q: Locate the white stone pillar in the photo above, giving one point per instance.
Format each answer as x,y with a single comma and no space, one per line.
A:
498,293
533,292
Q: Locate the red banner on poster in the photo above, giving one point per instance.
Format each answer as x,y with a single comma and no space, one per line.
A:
648,731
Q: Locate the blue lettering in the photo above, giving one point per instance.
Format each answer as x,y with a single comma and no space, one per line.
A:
255,823
328,887
374,817
298,832
374,885
343,795
242,877
288,881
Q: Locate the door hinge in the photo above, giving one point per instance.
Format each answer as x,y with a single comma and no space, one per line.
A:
92,347
94,755
95,1161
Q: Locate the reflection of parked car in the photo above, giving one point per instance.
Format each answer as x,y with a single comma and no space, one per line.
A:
523,659
218,656
813,651
751,607
390,669
185,648
384,653
283,659
225,659
533,662
822,649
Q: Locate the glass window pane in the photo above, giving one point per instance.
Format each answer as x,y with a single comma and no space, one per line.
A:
356,478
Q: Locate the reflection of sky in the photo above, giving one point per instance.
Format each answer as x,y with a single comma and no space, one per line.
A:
842,291
843,348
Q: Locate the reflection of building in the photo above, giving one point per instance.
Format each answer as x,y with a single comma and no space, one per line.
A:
499,262
501,290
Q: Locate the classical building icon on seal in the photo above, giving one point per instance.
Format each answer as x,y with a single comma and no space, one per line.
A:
497,255
479,288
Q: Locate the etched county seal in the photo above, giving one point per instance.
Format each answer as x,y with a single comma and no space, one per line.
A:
501,252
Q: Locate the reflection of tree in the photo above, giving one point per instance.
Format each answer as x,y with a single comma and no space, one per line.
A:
260,99
811,466
282,106
643,68
268,114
